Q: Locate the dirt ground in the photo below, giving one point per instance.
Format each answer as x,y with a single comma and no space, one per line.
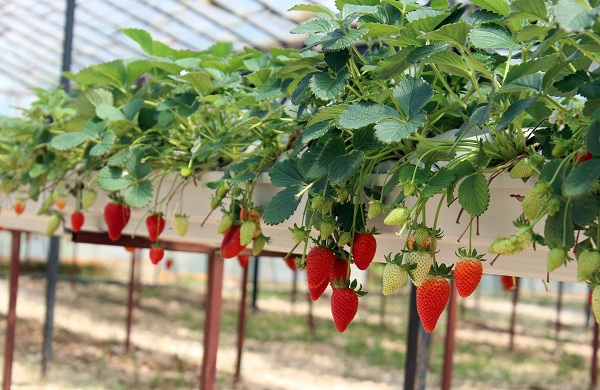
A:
167,344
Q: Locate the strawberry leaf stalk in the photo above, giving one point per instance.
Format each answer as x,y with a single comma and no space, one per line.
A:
395,274
344,303
467,271
433,295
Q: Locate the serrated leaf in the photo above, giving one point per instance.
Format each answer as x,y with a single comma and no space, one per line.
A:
531,67
139,194
574,15
315,131
282,205
315,26
454,32
327,88
585,209
500,7
513,111
343,167
243,178
579,180
113,179
559,229
339,39
492,36
532,82
364,139
312,8
346,216
337,60
572,81
108,112
104,146
327,113
200,81
423,52
135,166
477,118
395,130
593,138
316,161
412,94
474,194
378,30
132,107
482,16
364,113
529,9
259,77
451,63
67,141
88,100
286,174
165,118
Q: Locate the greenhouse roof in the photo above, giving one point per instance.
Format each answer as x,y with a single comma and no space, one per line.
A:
32,31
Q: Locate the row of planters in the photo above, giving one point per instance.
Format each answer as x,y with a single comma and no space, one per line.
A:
390,105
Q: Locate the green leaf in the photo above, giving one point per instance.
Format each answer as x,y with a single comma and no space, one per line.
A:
312,8
454,32
513,111
67,141
315,26
572,81
531,67
474,194
327,113
286,174
88,100
500,7
135,166
108,112
477,118
139,194
593,138
327,88
482,16
113,179
38,170
412,94
347,218
93,128
104,146
395,130
282,206
364,113
339,39
259,77
364,139
243,178
142,37
200,81
132,107
165,118
337,60
452,63
559,229
343,167
585,209
532,82
492,36
378,30
529,9
582,178
316,161
574,15
423,52
315,131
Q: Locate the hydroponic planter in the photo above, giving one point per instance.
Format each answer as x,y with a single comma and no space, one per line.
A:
497,220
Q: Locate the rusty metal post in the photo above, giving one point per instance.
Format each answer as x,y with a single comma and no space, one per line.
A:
130,294
594,369
52,279
294,295
449,348
241,324
9,343
212,322
558,310
513,317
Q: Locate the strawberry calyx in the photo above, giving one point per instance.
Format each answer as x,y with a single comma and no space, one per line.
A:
397,260
442,269
343,283
472,254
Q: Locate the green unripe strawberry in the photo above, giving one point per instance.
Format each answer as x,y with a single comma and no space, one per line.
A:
222,190
394,277
375,208
225,224
317,202
503,246
258,244
556,258
181,223
559,148
53,224
215,202
422,234
523,169
553,206
587,262
596,303
88,198
247,232
409,188
344,239
423,261
326,227
298,234
535,200
185,172
397,216
342,195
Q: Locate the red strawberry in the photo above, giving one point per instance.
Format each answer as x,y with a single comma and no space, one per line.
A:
155,223
129,249
363,250
584,156
319,263
467,272
291,263
432,297
316,292
19,207
507,282
77,220
169,264
344,305
340,271
156,254
116,216
230,246
243,260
